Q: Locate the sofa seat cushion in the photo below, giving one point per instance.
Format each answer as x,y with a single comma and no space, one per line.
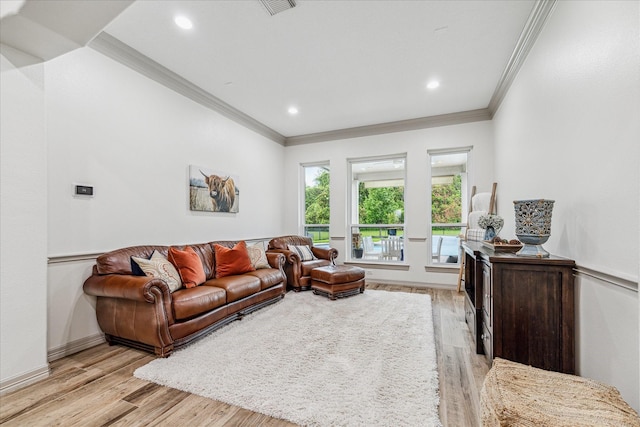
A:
237,287
268,277
307,266
191,302
337,274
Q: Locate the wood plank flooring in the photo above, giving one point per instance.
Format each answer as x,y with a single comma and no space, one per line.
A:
96,387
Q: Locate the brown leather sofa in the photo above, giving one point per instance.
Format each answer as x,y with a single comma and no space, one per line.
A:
298,272
141,312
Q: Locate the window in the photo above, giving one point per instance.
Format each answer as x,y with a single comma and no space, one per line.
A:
316,203
377,208
448,190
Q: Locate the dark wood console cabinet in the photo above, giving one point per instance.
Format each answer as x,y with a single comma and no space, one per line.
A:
521,308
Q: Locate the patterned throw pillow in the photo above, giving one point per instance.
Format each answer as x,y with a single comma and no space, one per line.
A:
258,257
135,268
189,266
304,252
232,261
160,267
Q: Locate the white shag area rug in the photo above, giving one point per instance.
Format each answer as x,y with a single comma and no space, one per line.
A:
366,360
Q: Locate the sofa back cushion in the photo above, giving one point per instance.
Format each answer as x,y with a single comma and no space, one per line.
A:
283,242
205,252
119,261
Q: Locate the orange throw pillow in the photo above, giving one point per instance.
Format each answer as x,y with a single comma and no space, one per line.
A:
232,261
189,266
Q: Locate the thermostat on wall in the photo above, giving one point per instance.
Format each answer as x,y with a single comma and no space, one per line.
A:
83,190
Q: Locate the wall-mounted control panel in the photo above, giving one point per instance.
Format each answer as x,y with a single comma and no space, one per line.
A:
83,190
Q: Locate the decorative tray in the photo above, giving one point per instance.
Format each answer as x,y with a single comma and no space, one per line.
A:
504,247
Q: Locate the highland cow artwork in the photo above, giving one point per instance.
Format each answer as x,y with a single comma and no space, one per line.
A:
212,191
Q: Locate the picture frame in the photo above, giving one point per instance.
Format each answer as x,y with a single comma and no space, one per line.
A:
212,190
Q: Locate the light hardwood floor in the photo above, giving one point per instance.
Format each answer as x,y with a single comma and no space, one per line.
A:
96,387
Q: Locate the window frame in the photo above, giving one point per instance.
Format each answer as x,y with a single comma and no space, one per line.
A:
464,196
302,216
353,220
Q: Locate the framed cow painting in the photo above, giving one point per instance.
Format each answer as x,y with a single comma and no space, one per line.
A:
213,191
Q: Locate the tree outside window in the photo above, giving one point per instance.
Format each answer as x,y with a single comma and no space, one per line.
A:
381,205
446,201
316,203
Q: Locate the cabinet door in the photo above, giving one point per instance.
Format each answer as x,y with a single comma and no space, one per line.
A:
487,343
487,303
527,304
470,316
469,277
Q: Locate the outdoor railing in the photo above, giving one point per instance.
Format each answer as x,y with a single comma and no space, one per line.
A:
373,242
319,233
449,250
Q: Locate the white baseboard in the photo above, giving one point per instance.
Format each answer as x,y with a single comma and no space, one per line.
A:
24,380
75,347
415,284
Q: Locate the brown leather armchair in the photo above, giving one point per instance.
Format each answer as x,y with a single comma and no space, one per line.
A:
298,272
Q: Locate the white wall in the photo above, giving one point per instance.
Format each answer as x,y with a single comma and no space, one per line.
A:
568,130
23,221
417,210
133,140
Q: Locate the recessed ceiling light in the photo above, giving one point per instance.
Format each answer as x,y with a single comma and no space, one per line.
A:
433,84
292,111
183,22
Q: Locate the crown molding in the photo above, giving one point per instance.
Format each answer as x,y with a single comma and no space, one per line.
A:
532,28
390,127
126,55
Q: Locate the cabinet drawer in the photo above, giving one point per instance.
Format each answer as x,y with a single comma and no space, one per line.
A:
487,343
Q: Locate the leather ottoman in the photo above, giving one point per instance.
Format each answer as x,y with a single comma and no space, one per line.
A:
337,281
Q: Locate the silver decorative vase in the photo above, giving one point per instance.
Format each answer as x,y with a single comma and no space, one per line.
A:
533,225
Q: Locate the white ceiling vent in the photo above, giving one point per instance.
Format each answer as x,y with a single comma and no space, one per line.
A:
277,6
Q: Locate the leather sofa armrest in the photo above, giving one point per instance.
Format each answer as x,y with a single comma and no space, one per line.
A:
290,257
136,288
275,259
322,253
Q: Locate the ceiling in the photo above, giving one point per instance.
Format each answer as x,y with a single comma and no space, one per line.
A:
347,64
47,29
